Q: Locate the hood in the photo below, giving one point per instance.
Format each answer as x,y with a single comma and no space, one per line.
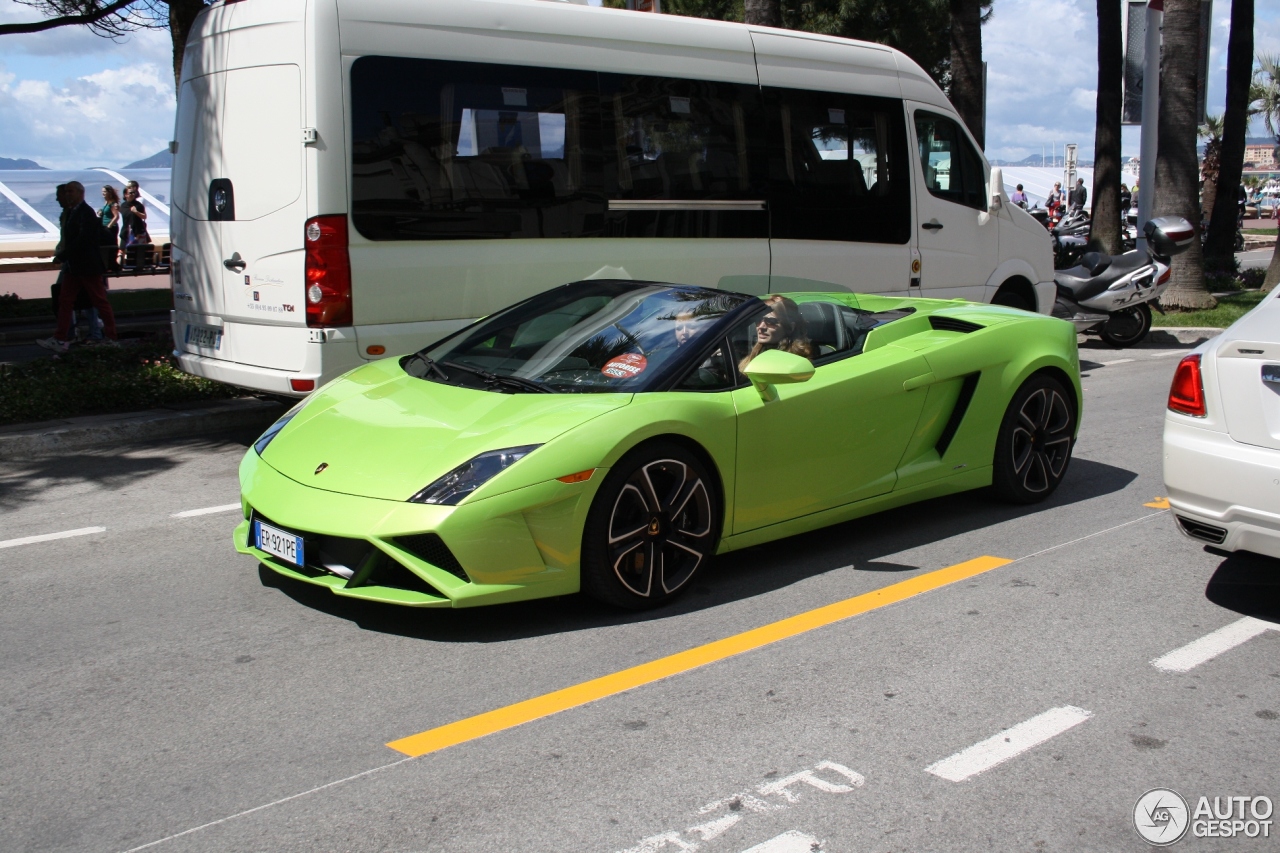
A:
384,434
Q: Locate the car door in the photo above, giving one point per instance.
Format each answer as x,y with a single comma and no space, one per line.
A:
958,237
830,441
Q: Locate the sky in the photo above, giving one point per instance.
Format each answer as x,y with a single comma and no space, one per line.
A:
70,99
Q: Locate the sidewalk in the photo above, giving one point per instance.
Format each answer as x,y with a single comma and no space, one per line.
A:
35,285
179,421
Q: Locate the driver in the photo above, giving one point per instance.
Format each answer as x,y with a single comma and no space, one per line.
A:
685,328
782,328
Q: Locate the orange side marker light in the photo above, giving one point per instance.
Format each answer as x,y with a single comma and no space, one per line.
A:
580,477
375,349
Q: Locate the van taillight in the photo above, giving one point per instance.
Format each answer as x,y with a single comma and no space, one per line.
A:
1186,394
328,271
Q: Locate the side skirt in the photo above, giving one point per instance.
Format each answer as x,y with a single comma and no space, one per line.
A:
976,478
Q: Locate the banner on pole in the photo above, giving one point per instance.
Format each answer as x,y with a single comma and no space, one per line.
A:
1135,58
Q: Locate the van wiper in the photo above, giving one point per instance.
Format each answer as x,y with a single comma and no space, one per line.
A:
495,379
431,366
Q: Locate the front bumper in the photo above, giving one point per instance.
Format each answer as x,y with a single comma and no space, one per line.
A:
1222,492
519,545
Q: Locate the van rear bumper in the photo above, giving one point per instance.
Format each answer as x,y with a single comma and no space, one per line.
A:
245,375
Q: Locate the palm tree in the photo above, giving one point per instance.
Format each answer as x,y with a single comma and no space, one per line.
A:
1105,224
1210,166
966,64
1264,100
1220,245
765,13
1177,184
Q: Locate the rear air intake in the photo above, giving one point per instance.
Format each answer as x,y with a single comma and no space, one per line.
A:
951,324
1204,532
430,547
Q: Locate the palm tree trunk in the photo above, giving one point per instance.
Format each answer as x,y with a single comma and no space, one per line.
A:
1222,215
1105,225
1177,169
1272,277
966,65
764,13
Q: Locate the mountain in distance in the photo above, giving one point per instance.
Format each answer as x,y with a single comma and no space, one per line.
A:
159,160
16,165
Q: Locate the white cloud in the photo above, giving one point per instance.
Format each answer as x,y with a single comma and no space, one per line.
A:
106,119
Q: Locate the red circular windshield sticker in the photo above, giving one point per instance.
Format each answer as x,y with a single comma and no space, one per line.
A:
625,366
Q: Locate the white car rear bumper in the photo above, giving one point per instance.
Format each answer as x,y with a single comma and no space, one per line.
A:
1222,492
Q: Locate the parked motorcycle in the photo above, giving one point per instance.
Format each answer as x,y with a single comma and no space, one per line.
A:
1112,296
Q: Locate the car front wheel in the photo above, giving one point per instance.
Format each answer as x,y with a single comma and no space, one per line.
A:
1034,445
653,524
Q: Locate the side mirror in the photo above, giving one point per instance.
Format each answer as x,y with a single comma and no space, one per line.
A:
775,367
997,187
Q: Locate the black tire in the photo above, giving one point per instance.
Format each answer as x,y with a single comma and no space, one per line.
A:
1033,448
1011,299
1127,327
654,523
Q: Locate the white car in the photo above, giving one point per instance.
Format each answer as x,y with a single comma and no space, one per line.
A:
1222,436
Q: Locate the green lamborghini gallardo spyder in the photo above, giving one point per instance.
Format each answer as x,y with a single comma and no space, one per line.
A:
611,436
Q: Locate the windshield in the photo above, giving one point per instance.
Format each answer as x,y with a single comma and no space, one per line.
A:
592,336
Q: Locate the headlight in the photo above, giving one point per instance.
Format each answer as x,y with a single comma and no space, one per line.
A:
470,475
261,444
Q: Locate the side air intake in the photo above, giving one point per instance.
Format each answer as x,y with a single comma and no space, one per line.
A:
967,388
951,324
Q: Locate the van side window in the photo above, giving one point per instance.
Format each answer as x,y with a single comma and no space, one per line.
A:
673,143
837,167
459,150
952,169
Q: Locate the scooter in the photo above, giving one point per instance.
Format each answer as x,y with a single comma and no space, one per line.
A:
1112,296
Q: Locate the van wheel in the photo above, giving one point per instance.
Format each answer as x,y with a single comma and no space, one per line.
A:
1011,299
654,523
1034,445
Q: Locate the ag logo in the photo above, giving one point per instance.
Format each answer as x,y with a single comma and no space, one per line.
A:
1161,817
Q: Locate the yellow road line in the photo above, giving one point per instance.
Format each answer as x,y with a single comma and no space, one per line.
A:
1158,503
598,688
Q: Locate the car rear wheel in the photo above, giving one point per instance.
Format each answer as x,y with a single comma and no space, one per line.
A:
1033,448
653,524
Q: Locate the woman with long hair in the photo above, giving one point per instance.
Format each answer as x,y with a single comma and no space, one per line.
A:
783,327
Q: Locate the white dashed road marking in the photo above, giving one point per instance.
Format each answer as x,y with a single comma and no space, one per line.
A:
1168,353
1011,742
788,842
209,510
1210,646
49,537
1115,361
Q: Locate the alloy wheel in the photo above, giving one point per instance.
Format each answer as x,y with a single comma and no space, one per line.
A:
1041,444
660,528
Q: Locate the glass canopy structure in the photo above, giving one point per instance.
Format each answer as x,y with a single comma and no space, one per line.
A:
29,212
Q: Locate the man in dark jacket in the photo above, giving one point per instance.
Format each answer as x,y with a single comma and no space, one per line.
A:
82,266
1078,196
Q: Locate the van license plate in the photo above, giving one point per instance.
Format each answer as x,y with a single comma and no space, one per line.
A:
207,337
278,543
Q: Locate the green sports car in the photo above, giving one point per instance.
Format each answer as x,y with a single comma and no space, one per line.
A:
611,436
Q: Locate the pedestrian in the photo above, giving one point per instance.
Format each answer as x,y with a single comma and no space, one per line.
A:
1019,197
82,267
133,219
1055,196
1079,195
1126,201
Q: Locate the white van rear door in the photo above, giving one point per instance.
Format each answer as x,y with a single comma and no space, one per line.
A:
196,238
957,235
262,254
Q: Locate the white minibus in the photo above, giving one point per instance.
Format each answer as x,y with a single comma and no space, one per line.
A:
354,179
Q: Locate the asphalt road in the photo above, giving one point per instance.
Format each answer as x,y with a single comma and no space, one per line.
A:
1255,259
161,693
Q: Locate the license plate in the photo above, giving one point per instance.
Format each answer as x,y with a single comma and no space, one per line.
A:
278,543
207,337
